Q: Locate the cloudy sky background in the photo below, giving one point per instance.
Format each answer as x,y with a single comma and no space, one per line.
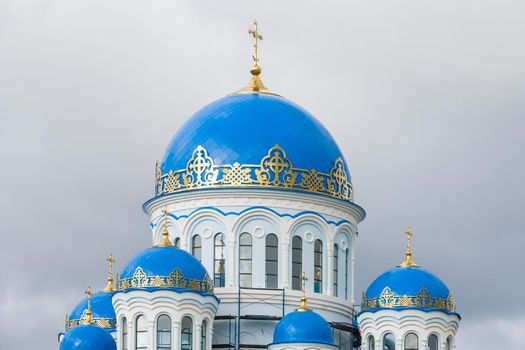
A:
425,98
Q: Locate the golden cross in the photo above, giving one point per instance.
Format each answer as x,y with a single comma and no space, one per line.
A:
303,282
303,306
110,261
89,293
408,255
254,32
409,234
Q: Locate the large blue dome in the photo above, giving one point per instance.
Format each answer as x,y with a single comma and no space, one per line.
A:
87,337
101,307
165,267
303,327
244,129
408,287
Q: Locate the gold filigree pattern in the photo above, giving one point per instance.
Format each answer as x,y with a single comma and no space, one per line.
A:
274,171
99,321
175,280
388,300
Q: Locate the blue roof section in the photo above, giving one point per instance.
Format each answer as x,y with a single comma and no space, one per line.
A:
242,128
303,327
408,281
101,307
163,262
87,337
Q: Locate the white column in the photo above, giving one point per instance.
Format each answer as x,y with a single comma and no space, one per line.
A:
197,336
131,334
329,268
285,262
175,335
230,274
151,334
210,336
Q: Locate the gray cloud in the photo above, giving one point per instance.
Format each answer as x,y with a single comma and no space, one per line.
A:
426,99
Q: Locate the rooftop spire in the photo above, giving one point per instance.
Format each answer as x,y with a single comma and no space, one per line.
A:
165,233
87,318
408,255
256,85
303,306
110,287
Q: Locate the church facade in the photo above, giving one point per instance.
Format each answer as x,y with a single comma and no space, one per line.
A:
254,230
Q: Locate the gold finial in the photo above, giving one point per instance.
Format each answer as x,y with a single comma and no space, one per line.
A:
303,306
165,233
88,317
110,287
256,85
408,255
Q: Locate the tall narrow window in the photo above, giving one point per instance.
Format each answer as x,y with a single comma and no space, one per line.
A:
389,342
371,343
163,332
245,260
449,343
141,333
346,274
318,266
186,334
204,334
124,334
433,343
336,269
272,261
196,247
297,262
177,242
219,270
411,342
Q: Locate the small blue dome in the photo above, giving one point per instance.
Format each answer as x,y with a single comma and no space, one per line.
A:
244,129
101,307
408,287
303,327
165,268
87,337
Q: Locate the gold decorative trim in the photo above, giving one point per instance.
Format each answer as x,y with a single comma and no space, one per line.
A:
388,300
175,280
99,321
275,171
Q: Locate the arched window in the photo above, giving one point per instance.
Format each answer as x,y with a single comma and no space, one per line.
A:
389,342
141,333
433,343
177,242
163,332
186,334
196,247
245,260
204,334
124,334
218,269
411,342
272,259
336,269
346,274
371,343
318,266
449,343
297,262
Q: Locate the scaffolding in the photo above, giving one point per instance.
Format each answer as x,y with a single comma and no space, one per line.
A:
235,321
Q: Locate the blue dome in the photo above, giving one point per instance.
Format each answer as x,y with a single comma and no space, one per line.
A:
303,327
101,307
408,287
244,129
88,337
165,268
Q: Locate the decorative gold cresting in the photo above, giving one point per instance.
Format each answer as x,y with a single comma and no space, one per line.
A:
408,255
303,306
256,85
88,315
110,287
165,233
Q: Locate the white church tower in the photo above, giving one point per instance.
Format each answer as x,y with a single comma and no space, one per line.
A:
408,308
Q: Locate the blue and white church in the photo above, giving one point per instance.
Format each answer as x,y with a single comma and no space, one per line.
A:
254,230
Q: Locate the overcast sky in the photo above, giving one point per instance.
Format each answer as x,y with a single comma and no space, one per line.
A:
425,98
